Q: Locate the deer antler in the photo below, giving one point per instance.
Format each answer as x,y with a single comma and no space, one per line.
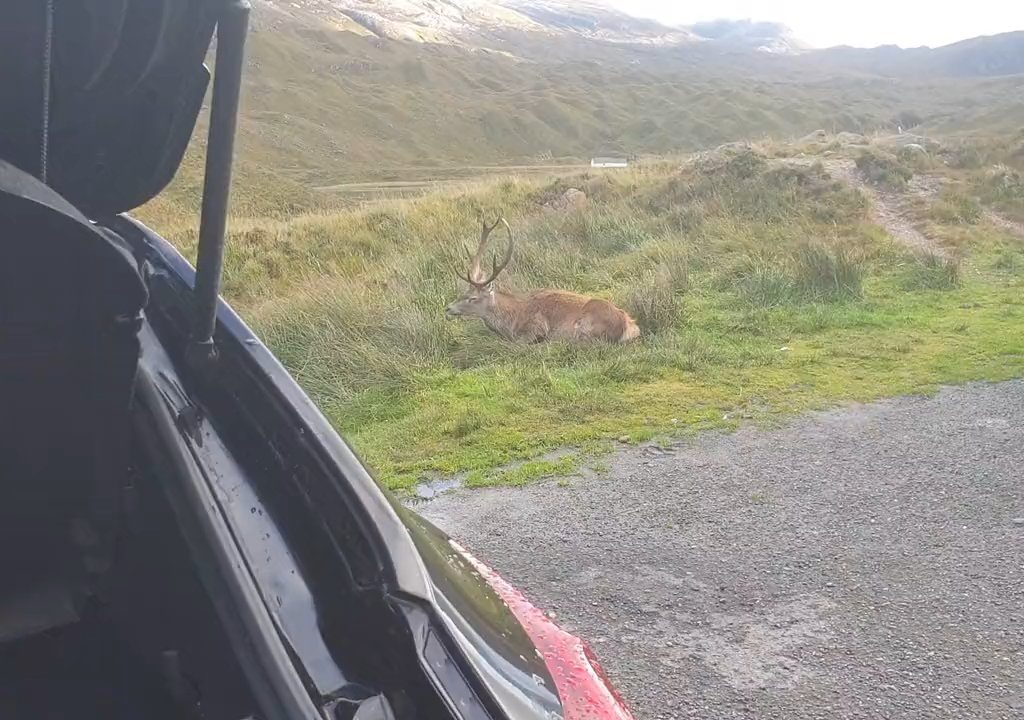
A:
475,276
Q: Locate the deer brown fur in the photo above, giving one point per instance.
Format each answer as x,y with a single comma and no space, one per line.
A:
539,315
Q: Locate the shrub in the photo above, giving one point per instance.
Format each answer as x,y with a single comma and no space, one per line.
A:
1002,187
747,163
966,156
914,157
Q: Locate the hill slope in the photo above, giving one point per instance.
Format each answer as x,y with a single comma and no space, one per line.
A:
990,56
328,100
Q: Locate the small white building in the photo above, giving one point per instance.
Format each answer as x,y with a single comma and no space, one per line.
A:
609,162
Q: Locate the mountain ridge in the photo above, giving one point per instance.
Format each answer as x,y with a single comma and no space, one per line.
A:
469,22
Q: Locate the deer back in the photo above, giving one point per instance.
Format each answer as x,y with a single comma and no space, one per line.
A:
559,314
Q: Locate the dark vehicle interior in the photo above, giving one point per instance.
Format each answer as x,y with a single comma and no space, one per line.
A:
143,429
102,613
90,554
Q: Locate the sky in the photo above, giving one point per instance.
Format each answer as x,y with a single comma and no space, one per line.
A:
863,23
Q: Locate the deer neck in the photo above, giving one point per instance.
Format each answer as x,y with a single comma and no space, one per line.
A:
505,313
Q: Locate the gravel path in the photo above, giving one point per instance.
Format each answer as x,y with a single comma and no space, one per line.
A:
861,563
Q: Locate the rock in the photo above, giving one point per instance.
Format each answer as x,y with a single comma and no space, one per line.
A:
733,147
1019,522
815,137
914,148
850,138
571,200
909,139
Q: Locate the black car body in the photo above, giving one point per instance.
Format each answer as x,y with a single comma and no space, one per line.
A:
184,535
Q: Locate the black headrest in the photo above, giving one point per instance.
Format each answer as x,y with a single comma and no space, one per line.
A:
124,86
36,222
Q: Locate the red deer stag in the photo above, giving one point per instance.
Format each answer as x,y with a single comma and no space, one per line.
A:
540,315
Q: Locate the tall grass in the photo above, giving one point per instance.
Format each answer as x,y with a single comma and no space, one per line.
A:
814,272
931,271
828,273
653,302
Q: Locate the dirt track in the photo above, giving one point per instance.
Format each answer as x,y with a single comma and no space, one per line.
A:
862,563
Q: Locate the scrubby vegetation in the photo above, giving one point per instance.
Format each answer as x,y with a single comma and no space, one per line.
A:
762,288
885,169
1003,188
955,206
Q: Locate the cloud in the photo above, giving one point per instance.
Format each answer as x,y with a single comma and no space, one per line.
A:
866,23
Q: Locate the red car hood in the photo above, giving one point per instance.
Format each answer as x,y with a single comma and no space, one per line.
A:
583,687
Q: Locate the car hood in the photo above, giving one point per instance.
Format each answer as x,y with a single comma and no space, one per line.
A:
104,93
534,667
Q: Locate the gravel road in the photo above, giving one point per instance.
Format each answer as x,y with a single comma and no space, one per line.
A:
862,563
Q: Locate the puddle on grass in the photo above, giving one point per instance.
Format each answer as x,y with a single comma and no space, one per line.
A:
430,489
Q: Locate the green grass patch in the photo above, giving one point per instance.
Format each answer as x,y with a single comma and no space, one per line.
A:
525,472
1009,259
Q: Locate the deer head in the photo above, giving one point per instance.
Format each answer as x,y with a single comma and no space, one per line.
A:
479,300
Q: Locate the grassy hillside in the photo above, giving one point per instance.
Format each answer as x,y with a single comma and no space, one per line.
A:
324,105
991,56
763,287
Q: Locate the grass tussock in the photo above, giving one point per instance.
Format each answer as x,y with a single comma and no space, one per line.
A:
956,207
1009,259
1002,187
884,169
931,271
815,272
654,302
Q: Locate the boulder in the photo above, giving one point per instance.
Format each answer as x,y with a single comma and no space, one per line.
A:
571,200
850,138
818,136
910,139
